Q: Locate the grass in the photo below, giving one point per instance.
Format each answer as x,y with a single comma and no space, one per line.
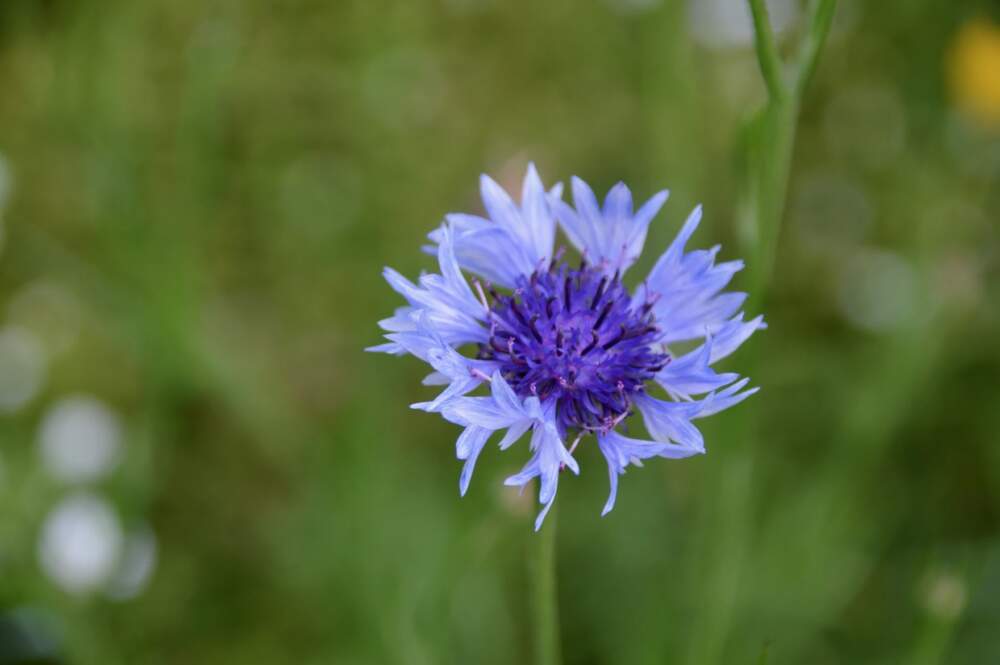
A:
217,186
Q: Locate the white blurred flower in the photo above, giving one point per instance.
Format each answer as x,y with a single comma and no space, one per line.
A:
22,368
80,543
728,24
945,594
80,439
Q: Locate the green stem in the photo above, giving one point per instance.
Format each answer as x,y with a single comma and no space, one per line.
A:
770,136
768,140
819,26
767,52
546,619
771,158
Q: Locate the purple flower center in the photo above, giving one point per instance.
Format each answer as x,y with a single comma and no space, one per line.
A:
574,336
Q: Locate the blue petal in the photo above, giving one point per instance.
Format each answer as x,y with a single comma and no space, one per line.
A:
685,289
503,408
445,302
640,224
514,432
514,241
699,317
589,227
481,411
537,215
499,206
456,388
618,206
489,250
541,515
611,238
676,249
724,399
461,374
692,374
470,443
613,474
482,416
729,338
388,347
435,379
453,281
504,396
549,457
620,451
671,422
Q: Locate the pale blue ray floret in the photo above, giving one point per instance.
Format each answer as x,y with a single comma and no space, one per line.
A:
567,351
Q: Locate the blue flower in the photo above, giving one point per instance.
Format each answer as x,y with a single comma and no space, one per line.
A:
566,350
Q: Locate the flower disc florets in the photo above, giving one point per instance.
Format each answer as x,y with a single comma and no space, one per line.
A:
576,337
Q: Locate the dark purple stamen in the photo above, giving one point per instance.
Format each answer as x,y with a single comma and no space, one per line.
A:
594,339
600,292
614,340
604,313
573,337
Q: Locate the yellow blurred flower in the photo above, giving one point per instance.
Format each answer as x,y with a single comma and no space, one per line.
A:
974,71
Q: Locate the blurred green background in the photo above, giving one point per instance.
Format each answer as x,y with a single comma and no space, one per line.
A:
198,464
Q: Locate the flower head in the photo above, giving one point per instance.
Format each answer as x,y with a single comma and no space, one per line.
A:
567,352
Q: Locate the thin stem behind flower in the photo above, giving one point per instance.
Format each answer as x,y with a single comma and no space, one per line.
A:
768,142
767,52
546,612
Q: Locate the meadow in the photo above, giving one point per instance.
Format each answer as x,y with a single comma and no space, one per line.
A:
199,463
